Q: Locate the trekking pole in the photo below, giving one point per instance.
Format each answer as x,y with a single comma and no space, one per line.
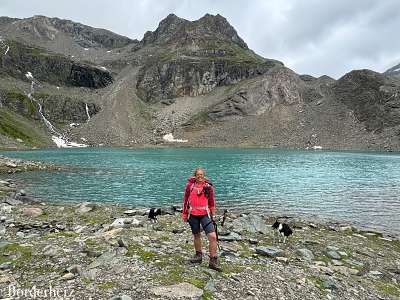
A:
216,233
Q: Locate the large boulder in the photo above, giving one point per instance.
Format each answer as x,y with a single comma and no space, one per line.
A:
250,223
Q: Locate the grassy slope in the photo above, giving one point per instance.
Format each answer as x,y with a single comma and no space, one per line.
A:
15,126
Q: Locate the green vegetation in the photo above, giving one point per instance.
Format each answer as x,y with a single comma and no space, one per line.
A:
388,288
17,98
17,254
93,218
318,282
107,285
15,126
137,249
66,234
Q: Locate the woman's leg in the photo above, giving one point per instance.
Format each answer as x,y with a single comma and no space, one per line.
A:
212,242
197,242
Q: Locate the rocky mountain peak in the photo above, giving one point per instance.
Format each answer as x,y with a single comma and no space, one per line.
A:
175,30
393,70
41,29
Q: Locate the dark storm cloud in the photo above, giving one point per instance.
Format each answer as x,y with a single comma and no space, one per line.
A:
310,36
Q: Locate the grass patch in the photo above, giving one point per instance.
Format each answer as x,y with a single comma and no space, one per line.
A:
21,100
207,295
15,126
66,234
232,268
137,249
388,288
318,282
107,285
172,276
94,218
17,254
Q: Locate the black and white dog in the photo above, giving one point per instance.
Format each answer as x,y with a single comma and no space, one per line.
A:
282,229
153,213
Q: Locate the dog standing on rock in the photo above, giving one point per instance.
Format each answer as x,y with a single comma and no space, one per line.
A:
282,229
153,213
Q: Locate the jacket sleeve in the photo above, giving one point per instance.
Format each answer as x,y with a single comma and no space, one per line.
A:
185,202
211,201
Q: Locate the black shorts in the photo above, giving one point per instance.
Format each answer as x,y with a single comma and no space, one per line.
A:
205,221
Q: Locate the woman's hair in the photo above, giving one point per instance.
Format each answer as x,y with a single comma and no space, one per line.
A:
199,169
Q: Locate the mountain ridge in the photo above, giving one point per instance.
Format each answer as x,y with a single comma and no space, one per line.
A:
196,80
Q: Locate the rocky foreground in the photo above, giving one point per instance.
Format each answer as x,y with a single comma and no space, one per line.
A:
98,251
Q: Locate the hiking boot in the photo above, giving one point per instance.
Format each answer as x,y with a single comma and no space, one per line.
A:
197,258
214,264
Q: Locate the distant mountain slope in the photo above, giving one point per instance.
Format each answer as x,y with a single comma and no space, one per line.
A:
393,71
196,80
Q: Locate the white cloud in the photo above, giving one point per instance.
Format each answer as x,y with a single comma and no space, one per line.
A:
310,36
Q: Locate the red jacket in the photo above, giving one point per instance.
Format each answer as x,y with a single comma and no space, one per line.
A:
210,201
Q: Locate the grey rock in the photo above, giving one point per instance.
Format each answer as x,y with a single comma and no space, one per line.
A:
181,290
75,269
232,236
125,223
13,201
6,266
336,262
50,251
135,212
251,223
32,212
354,262
68,276
333,254
122,243
329,284
332,248
305,253
375,273
270,251
27,199
122,297
253,241
210,286
106,259
86,207
310,243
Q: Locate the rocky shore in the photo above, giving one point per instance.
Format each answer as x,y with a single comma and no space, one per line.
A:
9,165
102,251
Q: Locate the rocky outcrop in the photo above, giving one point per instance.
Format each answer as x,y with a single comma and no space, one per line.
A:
195,57
48,29
374,98
174,30
51,68
56,108
59,108
280,86
193,77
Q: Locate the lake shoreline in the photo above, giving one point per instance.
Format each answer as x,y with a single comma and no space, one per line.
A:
107,250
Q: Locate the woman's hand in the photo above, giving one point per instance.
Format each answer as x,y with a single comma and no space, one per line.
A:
184,217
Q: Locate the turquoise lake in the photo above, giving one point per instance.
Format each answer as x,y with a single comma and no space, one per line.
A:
358,187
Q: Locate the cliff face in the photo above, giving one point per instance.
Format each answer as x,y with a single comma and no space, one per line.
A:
192,58
193,77
52,68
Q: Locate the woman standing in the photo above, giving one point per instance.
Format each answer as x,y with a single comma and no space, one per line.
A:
199,209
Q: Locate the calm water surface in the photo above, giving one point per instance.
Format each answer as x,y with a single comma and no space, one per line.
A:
358,187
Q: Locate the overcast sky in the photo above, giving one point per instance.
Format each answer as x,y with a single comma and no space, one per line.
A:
314,37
